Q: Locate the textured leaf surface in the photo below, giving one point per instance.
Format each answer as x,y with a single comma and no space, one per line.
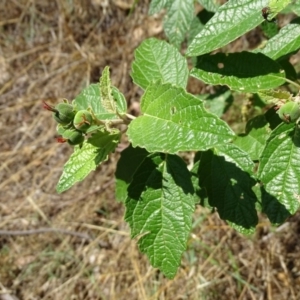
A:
157,5
279,168
90,98
174,120
157,60
159,209
107,100
253,141
232,20
285,43
120,100
210,5
87,158
130,160
244,71
178,20
233,195
226,176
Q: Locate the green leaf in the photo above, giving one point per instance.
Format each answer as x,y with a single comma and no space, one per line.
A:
157,5
159,209
200,196
244,71
275,96
210,5
226,177
231,193
90,98
253,141
276,6
107,100
120,100
285,43
87,158
130,160
217,103
175,121
157,60
275,211
279,167
178,20
233,19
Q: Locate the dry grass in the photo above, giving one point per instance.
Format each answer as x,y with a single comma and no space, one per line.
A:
50,50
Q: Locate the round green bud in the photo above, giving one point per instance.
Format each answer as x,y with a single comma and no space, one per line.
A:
75,137
83,120
289,112
64,113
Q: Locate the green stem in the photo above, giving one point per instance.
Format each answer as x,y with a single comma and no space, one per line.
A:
293,83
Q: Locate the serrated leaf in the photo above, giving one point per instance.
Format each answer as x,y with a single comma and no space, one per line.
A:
231,191
200,196
90,98
210,5
253,141
120,100
244,71
275,211
217,103
279,167
157,60
157,5
130,160
159,209
178,20
87,158
226,177
233,19
107,100
275,96
283,44
174,120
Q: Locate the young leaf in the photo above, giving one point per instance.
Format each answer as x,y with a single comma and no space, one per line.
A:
107,100
279,167
157,60
87,158
90,98
285,43
159,208
130,160
244,71
232,20
175,120
120,101
178,20
253,141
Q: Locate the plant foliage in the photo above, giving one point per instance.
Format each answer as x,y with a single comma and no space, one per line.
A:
235,173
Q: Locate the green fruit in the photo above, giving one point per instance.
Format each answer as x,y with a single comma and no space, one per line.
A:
75,137
289,112
63,113
83,120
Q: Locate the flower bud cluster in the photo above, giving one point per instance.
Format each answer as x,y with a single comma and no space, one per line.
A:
72,124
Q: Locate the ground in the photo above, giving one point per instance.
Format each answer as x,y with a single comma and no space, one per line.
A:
77,244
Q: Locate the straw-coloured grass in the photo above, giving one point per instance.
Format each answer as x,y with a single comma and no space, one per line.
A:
76,245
